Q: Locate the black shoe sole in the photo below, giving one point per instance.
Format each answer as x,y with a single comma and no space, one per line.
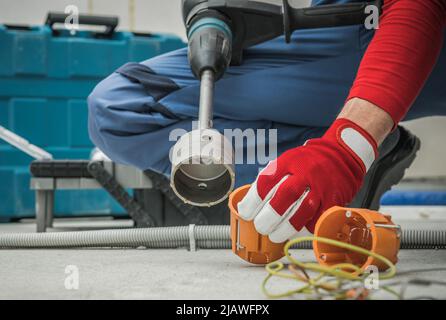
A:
387,171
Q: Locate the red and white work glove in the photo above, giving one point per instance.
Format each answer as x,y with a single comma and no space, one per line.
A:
296,188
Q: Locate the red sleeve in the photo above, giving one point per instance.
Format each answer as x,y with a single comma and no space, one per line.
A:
401,55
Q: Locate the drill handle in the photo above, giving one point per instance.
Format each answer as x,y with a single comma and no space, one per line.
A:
325,16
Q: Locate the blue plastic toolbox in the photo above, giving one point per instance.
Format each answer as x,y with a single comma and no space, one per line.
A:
45,76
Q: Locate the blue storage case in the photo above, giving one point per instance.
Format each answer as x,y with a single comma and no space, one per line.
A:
45,77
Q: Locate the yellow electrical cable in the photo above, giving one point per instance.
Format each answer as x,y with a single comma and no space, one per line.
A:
338,271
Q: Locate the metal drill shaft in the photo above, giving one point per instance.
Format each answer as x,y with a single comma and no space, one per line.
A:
206,99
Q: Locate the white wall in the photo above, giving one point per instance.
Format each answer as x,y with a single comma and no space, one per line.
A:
431,160
135,15
165,16
147,15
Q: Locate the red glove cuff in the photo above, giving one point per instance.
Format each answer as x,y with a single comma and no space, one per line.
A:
355,140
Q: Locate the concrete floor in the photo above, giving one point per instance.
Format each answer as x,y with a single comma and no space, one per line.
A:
164,274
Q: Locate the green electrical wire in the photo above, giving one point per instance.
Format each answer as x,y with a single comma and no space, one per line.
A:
342,273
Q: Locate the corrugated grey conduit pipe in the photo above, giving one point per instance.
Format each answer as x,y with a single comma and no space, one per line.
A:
191,237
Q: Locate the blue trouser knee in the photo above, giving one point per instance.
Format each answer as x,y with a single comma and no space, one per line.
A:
297,88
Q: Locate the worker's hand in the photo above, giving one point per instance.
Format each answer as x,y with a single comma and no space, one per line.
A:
296,188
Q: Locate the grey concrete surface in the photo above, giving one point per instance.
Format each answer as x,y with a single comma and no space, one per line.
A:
165,274
168,274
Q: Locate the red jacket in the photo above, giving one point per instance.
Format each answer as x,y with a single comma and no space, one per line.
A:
402,54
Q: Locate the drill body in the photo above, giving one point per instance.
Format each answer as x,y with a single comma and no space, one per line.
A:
219,30
210,45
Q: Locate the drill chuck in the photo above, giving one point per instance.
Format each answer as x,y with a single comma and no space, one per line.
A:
210,46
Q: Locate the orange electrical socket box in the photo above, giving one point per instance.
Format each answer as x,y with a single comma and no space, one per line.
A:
247,243
364,228
368,229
